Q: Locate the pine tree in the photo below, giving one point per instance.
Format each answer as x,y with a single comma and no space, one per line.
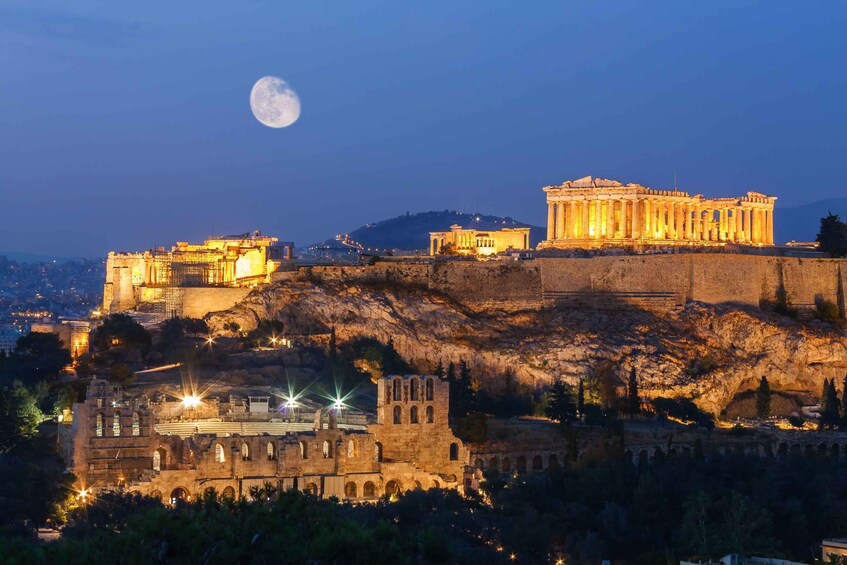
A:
580,398
560,406
439,369
829,415
763,399
844,400
633,400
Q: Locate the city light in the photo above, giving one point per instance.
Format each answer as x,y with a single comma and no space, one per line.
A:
191,401
210,341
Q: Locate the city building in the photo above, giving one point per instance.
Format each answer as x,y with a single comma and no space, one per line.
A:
469,241
181,448
594,212
72,333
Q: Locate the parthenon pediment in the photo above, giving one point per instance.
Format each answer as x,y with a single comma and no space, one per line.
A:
590,182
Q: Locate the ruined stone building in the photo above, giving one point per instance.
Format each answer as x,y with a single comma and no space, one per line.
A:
179,450
469,241
154,276
594,212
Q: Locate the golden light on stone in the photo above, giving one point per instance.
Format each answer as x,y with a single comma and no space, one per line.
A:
191,401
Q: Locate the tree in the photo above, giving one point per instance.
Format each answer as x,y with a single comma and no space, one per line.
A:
439,369
603,385
763,399
462,395
832,237
844,399
120,330
37,356
560,406
829,415
19,416
580,398
633,400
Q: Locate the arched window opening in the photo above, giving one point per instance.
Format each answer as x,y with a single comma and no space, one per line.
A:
418,485
454,451
378,452
350,490
521,465
219,453
429,387
271,451
537,463
304,450
479,464
327,449
228,493
99,425
311,488
413,415
397,416
136,424
210,493
396,385
369,490
493,464
245,452
157,460
413,389
157,494
430,417
553,460
116,425
435,484
178,496
392,488
507,465
351,449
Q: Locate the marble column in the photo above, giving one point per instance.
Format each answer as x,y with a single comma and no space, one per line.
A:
623,220
737,232
551,221
635,232
769,227
560,221
584,227
748,221
598,218
662,222
671,227
648,219
722,222
680,225
571,227
610,219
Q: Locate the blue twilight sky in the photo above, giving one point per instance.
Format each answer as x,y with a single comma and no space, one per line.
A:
127,124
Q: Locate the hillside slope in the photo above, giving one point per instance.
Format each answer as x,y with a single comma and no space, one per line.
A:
668,351
411,231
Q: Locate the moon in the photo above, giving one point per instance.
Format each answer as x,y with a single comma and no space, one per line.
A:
274,102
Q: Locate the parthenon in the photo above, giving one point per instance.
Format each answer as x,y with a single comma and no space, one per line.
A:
594,212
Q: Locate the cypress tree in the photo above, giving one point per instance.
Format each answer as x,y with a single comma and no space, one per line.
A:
439,369
633,400
580,398
763,399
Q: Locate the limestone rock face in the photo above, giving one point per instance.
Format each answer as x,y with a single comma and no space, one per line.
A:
709,352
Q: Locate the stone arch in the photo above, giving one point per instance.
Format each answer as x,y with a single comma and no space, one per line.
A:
418,485
454,451
179,495
397,387
350,490
157,494
537,463
271,451
160,459
822,450
414,387
393,487
479,464
245,451
413,415
429,387
782,450
553,460
351,449
643,458
398,416
378,452
507,465
116,424
430,415
228,493
136,424
369,490
435,484
209,492
304,450
493,464
220,454
327,449
311,488
99,424
521,465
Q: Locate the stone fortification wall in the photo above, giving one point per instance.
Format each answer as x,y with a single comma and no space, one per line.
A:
199,301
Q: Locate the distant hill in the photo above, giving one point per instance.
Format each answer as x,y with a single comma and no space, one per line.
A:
411,231
20,257
801,223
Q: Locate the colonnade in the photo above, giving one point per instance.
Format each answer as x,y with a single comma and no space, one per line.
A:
644,217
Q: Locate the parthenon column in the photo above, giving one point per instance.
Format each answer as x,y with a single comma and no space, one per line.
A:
769,227
636,227
551,219
623,221
748,223
560,221
598,218
738,233
730,225
610,219
680,225
722,222
572,219
671,215
584,227
648,219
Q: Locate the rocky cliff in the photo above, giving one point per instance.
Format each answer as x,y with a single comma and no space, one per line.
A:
709,352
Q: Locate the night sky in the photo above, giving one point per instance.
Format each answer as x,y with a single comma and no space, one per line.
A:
126,125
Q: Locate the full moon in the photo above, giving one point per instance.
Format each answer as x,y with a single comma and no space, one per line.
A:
274,103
